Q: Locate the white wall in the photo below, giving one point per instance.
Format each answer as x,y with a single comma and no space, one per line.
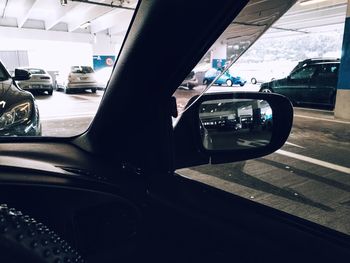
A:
51,55
104,45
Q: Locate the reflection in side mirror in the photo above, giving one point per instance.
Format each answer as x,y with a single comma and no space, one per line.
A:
233,124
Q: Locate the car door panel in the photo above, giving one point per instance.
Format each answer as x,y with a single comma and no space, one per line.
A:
324,84
181,217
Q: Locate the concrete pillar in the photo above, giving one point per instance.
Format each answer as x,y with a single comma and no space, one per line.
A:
342,105
218,54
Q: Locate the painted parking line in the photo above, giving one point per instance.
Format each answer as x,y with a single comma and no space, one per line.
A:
328,165
295,145
65,117
315,110
88,96
321,119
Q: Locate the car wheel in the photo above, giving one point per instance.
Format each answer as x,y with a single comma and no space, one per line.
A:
50,92
266,90
229,82
93,90
67,90
253,81
23,239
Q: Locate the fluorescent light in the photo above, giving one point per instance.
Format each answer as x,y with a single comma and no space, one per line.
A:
85,25
311,2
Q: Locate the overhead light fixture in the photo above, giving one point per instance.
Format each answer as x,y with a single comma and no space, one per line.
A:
85,25
310,2
64,2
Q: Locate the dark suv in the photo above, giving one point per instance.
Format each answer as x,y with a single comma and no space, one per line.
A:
311,61
311,82
19,114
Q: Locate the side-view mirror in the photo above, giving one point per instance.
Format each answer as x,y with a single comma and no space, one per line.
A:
21,74
228,127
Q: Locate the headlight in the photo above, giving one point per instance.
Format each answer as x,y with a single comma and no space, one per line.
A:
17,114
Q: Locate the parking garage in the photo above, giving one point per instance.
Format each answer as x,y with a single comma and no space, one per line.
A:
308,177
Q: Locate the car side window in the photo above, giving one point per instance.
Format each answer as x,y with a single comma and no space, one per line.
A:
304,73
328,71
3,75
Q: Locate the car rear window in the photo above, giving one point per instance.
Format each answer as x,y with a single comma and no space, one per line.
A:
82,69
36,71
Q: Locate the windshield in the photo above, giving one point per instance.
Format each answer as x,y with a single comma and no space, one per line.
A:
62,44
309,176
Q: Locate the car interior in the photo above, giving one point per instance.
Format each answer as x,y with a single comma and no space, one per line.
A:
112,194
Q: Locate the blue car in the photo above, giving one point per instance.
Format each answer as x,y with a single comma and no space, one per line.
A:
225,79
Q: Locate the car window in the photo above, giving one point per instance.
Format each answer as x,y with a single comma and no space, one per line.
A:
328,71
304,73
70,51
82,70
36,71
309,177
3,73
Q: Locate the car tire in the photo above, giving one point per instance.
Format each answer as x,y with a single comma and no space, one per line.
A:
229,82
23,239
253,81
93,90
50,92
266,90
67,90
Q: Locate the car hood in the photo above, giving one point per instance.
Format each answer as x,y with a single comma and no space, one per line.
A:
10,95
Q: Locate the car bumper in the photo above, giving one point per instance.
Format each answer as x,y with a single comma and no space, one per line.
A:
190,82
239,81
83,85
41,86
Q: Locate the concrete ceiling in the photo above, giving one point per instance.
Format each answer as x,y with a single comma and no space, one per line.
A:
325,16
50,15
256,18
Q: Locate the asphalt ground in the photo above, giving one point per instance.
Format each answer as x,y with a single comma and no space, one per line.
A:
308,177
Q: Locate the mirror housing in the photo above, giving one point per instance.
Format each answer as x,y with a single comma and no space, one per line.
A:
21,74
188,142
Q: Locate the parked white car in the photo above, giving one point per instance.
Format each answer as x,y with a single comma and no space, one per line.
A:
79,78
40,81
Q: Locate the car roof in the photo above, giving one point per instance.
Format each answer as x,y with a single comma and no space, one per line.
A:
326,63
315,60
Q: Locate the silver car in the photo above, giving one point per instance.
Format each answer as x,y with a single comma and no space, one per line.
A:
40,81
81,78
